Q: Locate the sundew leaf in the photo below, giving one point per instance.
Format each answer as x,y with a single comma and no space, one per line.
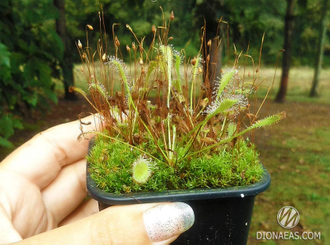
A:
167,54
177,82
198,58
99,88
225,105
122,74
142,169
231,129
121,70
269,120
152,66
226,78
261,123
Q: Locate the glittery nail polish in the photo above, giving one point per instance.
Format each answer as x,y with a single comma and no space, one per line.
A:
168,220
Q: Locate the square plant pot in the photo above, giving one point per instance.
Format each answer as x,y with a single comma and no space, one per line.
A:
222,215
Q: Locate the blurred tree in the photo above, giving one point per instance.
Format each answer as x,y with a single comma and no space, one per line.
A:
140,15
28,48
207,14
320,48
286,61
67,62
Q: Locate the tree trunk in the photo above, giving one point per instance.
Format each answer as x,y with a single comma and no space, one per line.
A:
320,48
212,54
67,62
286,62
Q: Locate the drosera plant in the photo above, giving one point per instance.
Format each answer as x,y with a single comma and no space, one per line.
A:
167,128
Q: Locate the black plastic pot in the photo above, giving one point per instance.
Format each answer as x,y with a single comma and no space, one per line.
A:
222,216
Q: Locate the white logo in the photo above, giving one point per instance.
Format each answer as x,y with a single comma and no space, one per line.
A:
288,217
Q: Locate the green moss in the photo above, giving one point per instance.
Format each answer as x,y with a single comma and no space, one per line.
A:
111,164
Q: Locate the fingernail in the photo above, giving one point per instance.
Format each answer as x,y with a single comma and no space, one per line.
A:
168,220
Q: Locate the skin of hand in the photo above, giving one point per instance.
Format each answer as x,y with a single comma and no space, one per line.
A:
43,198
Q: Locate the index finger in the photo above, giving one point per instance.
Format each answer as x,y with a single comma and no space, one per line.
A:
40,159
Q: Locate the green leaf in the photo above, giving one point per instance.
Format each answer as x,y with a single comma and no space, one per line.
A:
7,127
269,120
17,123
231,129
226,104
29,71
32,99
5,143
4,56
17,60
167,55
226,78
261,123
51,95
57,45
44,73
177,82
152,66
141,28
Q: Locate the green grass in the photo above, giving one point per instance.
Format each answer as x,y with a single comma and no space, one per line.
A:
298,158
299,85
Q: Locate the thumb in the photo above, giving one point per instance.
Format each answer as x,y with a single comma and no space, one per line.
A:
133,224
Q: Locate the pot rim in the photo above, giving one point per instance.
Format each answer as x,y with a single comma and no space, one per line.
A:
176,195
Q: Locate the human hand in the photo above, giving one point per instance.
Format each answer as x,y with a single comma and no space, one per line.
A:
43,187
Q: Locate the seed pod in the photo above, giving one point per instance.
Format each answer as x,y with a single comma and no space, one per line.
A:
104,57
128,27
141,48
133,46
117,41
204,102
90,27
200,70
128,48
208,58
84,56
172,16
193,61
170,38
209,43
140,61
79,44
153,28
